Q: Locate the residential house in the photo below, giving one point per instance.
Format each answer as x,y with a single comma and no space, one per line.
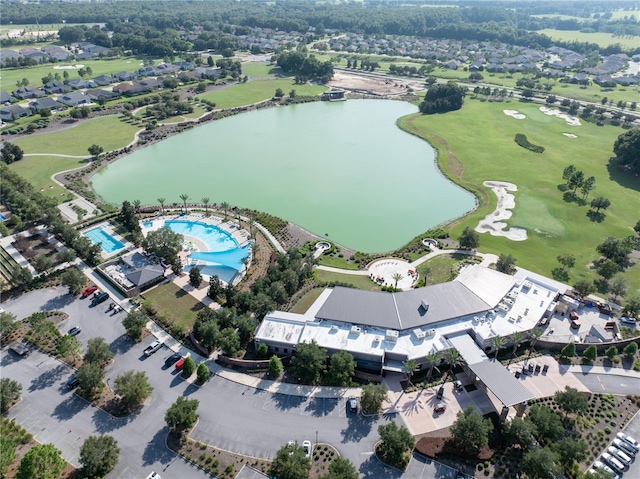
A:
5,97
104,80
54,51
27,92
13,112
81,83
105,95
153,83
126,76
131,89
74,99
46,102
56,87
86,56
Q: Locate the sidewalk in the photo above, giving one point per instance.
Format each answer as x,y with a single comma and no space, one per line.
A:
584,370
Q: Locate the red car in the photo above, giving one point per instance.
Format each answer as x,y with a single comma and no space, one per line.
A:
87,292
440,407
179,364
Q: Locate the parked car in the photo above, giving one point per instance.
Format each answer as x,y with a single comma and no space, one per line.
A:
604,467
458,385
20,349
440,407
306,445
628,320
624,446
440,393
291,445
619,455
152,348
100,298
89,291
613,462
74,331
73,382
171,360
629,440
353,404
179,364
153,475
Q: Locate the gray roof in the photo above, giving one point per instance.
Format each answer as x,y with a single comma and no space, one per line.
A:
145,275
501,382
402,310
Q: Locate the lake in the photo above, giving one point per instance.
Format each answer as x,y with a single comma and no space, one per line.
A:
341,170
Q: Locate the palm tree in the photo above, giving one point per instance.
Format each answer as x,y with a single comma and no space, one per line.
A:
534,335
497,342
410,367
184,198
205,201
517,338
225,207
252,227
452,358
245,262
161,201
397,277
432,358
136,205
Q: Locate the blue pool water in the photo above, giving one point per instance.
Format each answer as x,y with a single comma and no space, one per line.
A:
107,242
224,256
2,217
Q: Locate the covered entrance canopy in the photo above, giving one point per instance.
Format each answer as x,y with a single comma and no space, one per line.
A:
493,375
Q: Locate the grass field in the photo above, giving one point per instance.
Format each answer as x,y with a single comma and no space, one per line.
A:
306,301
358,281
175,304
259,70
480,146
254,91
39,169
108,132
601,38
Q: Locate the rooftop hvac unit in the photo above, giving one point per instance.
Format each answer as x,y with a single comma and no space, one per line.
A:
418,334
334,327
391,335
355,330
376,340
425,304
431,332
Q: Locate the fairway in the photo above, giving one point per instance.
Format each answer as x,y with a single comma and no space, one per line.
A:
482,137
38,170
601,38
242,94
108,132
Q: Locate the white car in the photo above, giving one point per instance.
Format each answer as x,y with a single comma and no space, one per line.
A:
624,446
627,320
306,445
604,467
613,462
291,446
619,455
629,440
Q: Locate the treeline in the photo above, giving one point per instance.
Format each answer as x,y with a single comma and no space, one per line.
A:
522,141
442,98
305,67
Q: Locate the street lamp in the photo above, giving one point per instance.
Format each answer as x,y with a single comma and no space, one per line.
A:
316,438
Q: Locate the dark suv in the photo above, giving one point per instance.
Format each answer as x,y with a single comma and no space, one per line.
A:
440,392
101,298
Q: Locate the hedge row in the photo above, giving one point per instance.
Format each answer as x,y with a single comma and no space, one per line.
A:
524,143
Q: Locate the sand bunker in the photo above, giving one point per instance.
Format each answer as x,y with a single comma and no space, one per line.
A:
515,114
571,120
569,135
493,223
68,67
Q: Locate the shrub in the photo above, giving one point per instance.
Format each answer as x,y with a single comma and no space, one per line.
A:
522,141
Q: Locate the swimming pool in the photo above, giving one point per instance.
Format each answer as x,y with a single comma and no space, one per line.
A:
107,242
2,217
223,257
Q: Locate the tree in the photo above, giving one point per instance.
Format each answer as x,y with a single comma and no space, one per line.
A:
568,351
568,172
205,202
133,387
161,201
630,350
342,367
618,285
341,469
99,455
42,263
567,260
95,150
588,185
184,197
571,400
600,203
506,264
74,280
452,357
442,98
611,352
42,461
576,180
68,346
570,450
627,148
7,454
372,398
308,364
469,239
516,338
396,277
188,367
89,377
583,288
519,431
279,93
181,415
290,463
541,463
547,423
410,367
275,366
432,358
397,442
164,243
498,342
195,277
471,431
11,153
225,207
10,391
7,322
134,323
607,268
98,352
203,373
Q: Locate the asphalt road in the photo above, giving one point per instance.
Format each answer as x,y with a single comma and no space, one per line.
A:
609,383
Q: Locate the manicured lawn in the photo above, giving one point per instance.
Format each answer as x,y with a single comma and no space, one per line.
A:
477,143
601,38
358,281
260,70
175,304
307,300
108,132
254,91
336,262
441,269
38,170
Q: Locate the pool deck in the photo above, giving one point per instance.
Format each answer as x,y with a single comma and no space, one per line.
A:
108,228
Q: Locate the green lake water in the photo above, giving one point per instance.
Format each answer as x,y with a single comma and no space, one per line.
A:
343,169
